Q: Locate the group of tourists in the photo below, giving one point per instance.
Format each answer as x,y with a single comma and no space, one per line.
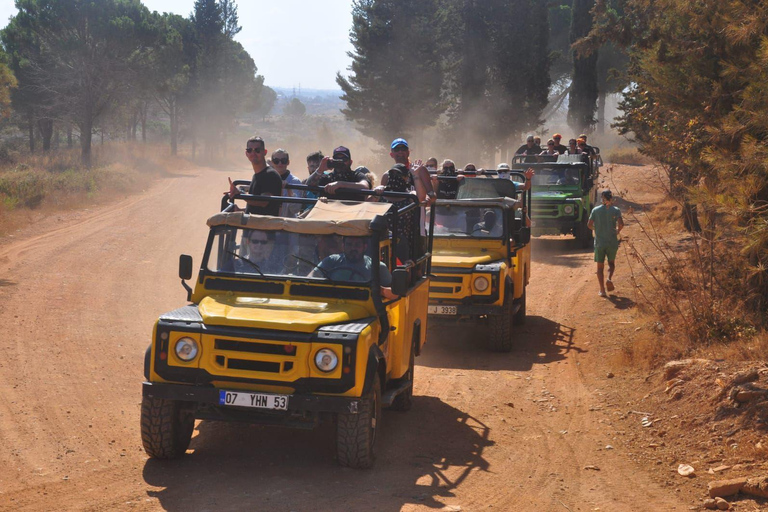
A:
578,146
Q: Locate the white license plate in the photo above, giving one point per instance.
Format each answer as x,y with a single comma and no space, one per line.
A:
258,400
441,310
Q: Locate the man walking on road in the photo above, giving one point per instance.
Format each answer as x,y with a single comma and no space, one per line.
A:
607,223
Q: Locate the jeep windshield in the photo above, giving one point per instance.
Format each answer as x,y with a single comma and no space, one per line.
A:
566,176
270,253
468,221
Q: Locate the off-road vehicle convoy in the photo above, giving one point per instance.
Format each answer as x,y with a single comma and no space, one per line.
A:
564,193
481,256
287,325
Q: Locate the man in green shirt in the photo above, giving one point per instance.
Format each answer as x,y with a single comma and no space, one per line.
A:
607,223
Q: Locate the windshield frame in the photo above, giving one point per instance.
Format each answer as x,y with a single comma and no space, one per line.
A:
454,236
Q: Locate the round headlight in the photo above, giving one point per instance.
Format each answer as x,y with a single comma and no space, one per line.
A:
568,209
186,349
326,360
481,284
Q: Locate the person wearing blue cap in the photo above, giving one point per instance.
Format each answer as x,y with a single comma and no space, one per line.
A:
400,153
341,177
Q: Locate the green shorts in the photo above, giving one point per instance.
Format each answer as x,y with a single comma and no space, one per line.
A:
602,252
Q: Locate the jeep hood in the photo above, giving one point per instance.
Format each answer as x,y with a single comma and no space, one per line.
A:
272,313
556,195
467,258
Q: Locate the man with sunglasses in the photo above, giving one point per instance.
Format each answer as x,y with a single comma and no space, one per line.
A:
342,177
265,182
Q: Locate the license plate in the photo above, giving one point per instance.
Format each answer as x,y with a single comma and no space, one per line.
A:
441,310
258,400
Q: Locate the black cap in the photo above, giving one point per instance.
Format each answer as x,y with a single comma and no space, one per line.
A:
341,150
607,194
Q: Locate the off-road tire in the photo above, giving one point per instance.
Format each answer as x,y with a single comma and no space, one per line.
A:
520,316
500,339
166,427
584,235
356,433
404,401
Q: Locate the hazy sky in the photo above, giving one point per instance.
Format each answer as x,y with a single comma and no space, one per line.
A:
293,42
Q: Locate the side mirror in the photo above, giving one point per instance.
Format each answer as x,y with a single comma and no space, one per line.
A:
400,279
185,266
523,237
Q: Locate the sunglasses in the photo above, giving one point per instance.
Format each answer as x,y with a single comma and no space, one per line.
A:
280,161
258,241
471,169
400,148
449,168
550,143
253,150
344,158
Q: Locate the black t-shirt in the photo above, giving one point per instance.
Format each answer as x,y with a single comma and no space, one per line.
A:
270,183
347,175
447,188
525,150
561,149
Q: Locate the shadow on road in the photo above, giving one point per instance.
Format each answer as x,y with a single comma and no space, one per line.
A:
7,282
561,251
461,345
423,455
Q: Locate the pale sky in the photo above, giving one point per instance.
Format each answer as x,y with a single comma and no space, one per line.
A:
295,43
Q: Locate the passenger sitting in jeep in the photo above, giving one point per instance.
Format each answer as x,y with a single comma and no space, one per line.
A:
256,254
353,264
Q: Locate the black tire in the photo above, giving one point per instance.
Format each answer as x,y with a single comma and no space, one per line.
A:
356,433
404,401
166,427
500,339
520,316
584,234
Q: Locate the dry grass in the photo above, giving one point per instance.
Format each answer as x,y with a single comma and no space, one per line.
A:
31,185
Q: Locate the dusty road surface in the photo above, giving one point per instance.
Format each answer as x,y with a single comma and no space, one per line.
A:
78,297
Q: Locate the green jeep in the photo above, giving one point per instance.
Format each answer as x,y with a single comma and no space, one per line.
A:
564,193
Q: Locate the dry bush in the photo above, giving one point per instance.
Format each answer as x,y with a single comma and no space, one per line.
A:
626,156
57,179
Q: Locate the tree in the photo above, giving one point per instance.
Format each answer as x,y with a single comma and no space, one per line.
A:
295,109
396,76
582,101
263,102
87,57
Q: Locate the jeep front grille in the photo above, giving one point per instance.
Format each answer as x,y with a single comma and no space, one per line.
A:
254,347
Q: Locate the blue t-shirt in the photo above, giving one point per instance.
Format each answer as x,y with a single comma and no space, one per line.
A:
605,219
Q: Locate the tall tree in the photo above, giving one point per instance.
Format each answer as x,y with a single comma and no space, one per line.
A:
582,101
396,77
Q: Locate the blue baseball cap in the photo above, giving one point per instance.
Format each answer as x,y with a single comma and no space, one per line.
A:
398,142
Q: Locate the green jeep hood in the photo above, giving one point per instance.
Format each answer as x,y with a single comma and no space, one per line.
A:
556,195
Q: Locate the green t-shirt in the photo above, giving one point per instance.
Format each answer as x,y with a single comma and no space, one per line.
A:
605,219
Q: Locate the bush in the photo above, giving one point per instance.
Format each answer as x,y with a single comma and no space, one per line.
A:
626,156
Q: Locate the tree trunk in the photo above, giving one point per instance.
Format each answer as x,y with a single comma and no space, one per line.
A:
601,112
143,117
31,130
86,135
69,136
46,132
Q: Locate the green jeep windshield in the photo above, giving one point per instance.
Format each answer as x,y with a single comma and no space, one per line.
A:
566,176
254,252
468,221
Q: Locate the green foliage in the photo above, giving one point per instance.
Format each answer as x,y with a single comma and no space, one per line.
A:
295,108
582,101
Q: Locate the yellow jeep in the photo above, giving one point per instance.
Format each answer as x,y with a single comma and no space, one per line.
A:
481,259
287,325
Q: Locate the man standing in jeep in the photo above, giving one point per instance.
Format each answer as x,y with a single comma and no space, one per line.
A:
341,177
265,182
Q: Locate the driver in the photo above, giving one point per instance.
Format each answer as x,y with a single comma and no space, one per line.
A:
571,177
353,264
488,223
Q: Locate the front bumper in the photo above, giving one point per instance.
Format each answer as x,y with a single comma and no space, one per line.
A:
209,396
467,309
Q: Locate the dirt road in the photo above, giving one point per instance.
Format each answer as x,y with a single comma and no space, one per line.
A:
487,432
